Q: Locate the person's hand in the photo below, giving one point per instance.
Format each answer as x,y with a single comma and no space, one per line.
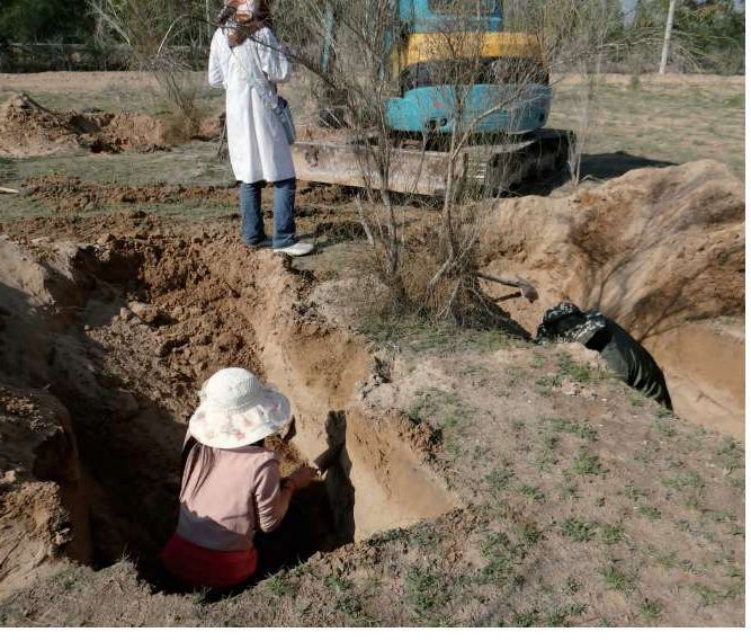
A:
303,477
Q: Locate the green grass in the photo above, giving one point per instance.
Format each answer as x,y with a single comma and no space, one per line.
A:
710,596
633,492
529,534
420,335
444,409
499,479
347,602
547,458
587,463
616,580
578,531
568,368
560,616
337,583
579,429
525,619
682,481
424,536
533,492
650,610
66,580
664,429
650,512
573,586
424,591
731,455
279,585
501,556
611,534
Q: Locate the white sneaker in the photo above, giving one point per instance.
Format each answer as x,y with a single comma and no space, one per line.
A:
298,249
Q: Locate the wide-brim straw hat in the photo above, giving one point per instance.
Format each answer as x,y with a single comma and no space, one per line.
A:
237,410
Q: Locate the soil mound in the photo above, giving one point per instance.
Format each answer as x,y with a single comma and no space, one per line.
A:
657,250
29,129
42,492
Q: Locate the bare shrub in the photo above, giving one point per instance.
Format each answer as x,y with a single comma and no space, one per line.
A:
163,38
355,78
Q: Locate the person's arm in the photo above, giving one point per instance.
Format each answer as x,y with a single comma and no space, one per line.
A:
274,61
216,75
271,496
273,493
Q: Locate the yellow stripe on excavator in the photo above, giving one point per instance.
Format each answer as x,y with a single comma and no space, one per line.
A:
428,47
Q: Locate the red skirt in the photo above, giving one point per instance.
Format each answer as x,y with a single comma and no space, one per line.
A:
204,567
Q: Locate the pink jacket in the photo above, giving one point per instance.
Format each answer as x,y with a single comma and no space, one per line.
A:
241,495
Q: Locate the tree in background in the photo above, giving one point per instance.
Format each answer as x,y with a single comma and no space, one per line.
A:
44,21
708,35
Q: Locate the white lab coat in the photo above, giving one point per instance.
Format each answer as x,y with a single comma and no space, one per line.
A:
258,147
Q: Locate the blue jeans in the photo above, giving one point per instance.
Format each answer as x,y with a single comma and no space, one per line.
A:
284,213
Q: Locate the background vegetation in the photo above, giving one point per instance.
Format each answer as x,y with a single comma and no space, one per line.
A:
708,34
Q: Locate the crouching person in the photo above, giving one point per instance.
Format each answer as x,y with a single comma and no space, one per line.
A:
231,484
625,356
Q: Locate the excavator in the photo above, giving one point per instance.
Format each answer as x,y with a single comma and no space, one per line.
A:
454,70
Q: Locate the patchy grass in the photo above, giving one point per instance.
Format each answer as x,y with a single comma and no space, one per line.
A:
587,463
421,336
616,580
500,478
568,368
664,429
650,610
578,531
425,592
560,616
280,584
686,480
579,429
611,534
663,118
731,455
533,492
445,410
525,619
650,512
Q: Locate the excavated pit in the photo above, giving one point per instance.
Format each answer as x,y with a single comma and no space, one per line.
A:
141,322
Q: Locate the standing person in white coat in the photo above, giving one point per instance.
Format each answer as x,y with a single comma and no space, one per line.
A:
258,147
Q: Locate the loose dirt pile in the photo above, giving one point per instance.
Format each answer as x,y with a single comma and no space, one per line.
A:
29,129
43,510
658,250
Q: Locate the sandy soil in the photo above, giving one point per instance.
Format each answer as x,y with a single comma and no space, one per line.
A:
563,480
484,480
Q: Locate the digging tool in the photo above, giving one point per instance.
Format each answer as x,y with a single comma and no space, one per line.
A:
528,290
